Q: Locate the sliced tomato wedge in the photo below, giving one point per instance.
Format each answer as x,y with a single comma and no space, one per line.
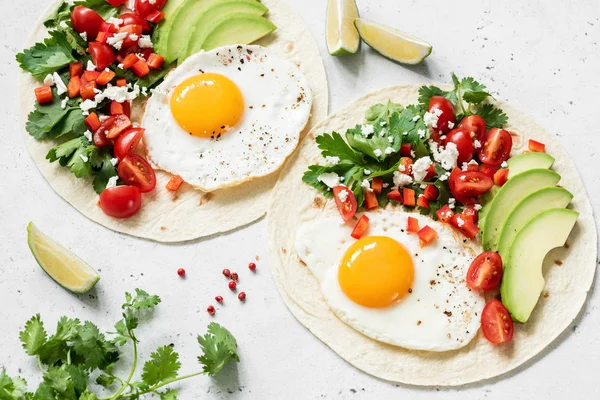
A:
119,125
395,195
455,193
371,201
412,225
471,183
360,228
127,142
409,197
496,324
426,235
405,149
445,213
136,171
345,201
536,146
465,225
496,147
485,271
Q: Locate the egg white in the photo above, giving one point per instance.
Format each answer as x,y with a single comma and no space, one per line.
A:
441,313
277,101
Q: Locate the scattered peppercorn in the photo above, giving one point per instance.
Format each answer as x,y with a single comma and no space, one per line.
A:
210,310
252,266
232,285
219,299
242,296
234,276
226,272
181,272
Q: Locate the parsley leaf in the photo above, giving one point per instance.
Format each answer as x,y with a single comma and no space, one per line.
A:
48,57
103,167
472,91
11,388
219,347
163,365
91,345
334,145
427,92
170,394
381,112
51,121
33,336
493,117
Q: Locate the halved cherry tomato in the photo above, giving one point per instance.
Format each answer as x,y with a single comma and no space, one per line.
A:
471,213
445,213
120,124
100,139
501,176
144,7
360,228
121,201
473,166
377,185
92,121
488,170
405,166
474,123
426,235
127,142
130,30
102,55
75,69
43,94
409,197
464,144
458,196
422,202
536,146
395,195
86,20
131,18
370,200
405,149
116,3
412,225
347,206
174,183
485,271
496,147
136,171
74,87
496,324
465,225
471,183
431,192
140,68
447,115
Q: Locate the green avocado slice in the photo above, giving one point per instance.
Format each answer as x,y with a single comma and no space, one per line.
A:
238,29
161,32
526,161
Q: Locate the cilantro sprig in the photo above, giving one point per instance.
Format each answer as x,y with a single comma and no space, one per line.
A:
77,351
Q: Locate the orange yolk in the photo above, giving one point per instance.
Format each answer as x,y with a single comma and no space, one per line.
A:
376,271
207,105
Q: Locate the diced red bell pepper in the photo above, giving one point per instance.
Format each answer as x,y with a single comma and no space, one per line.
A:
92,121
405,149
155,61
361,227
537,146
129,60
119,125
377,185
155,16
140,68
412,225
43,94
426,235
445,213
91,75
107,27
117,108
431,192
87,91
422,202
395,195
105,77
430,172
501,176
409,197
174,183
116,3
465,225
121,82
405,165
102,37
488,170
74,86
471,213
371,200
75,69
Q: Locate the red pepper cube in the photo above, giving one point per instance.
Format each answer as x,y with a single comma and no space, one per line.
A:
92,121
431,192
155,61
155,16
422,202
409,197
360,228
74,86
174,183
445,213
370,200
465,225
395,195
536,146
75,69
130,60
91,75
105,77
501,176
43,94
405,149
377,185
412,225
140,68
88,91
426,235
121,82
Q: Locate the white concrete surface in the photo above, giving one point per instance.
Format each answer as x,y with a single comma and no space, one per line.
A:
541,55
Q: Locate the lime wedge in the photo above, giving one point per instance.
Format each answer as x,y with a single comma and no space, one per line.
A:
392,43
68,270
342,36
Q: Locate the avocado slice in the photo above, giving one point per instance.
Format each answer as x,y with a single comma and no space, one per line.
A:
523,281
181,24
238,29
507,198
212,17
530,206
161,32
526,161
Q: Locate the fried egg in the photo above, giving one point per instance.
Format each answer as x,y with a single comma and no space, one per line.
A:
387,287
225,116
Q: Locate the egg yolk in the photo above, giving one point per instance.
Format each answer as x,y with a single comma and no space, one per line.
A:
207,105
376,271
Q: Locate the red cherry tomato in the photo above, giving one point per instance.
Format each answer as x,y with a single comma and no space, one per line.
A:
485,271
136,171
127,142
447,115
475,124
102,55
496,147
462,139
496,323
144,7
346,206
131,18
471,183
121,201
463,199
86,20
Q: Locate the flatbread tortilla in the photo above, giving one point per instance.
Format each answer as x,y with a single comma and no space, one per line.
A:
189,213
567,285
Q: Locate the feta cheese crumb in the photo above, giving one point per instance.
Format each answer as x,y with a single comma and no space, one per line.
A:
63,103
88,135
331,179
377,152
450,124
61,88
84,158
367,130
401,180
446,157
367,172
389,150
477,207
405,133
445,176
460,222
423,186
87,105
391,139
451,202
343,195
332,160
416,118
382,132
420,168
117,22
504,164
90,66
385,184
421,133
49,80
477,144
366,185
145,42
112,182
152,1
114,161
120,66
431,117
103,118
134,37
83,35
116,40
382,123
413,154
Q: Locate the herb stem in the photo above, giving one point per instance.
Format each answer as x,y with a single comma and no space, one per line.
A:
126,384
165,383
39,362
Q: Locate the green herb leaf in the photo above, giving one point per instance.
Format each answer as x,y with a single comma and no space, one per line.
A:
493,117
219,348
333,145
170,394
103,168
51,121
381,112
472,91
149,81
60,20
105,380
33,336
93,348
163,365
11,388
48,57
427,92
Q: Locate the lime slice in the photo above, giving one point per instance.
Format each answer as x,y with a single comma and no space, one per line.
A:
342,37
68,270
392,43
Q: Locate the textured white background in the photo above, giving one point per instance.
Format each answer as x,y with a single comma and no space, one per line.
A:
543,56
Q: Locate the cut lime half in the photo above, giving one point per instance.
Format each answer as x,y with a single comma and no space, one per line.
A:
68,270
342,36
392,43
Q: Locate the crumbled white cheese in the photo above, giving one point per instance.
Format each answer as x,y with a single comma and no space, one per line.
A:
366,185
464,166
90,66
420,168
330,179
134,37
416,118
477,144
413,154
367,172
443,137
401,180
49,80
84,158
87,105
88,135
120,66
423,186
450,124
446,156
343,195
367,130
103,118
391,139
504,164
332,160
144,90
152,1
377,152
472,134
382,123
145,42
83,35
477,207
61,88
389,150
116,40
385,184
460,222
451,202
114,161
402,168
117,22
140,55
383,132
118,93
405,133
445,176
431,117
112,182
63,103
421,133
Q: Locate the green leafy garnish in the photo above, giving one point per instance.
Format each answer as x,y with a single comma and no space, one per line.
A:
77,351
48,57
493,117
51,121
